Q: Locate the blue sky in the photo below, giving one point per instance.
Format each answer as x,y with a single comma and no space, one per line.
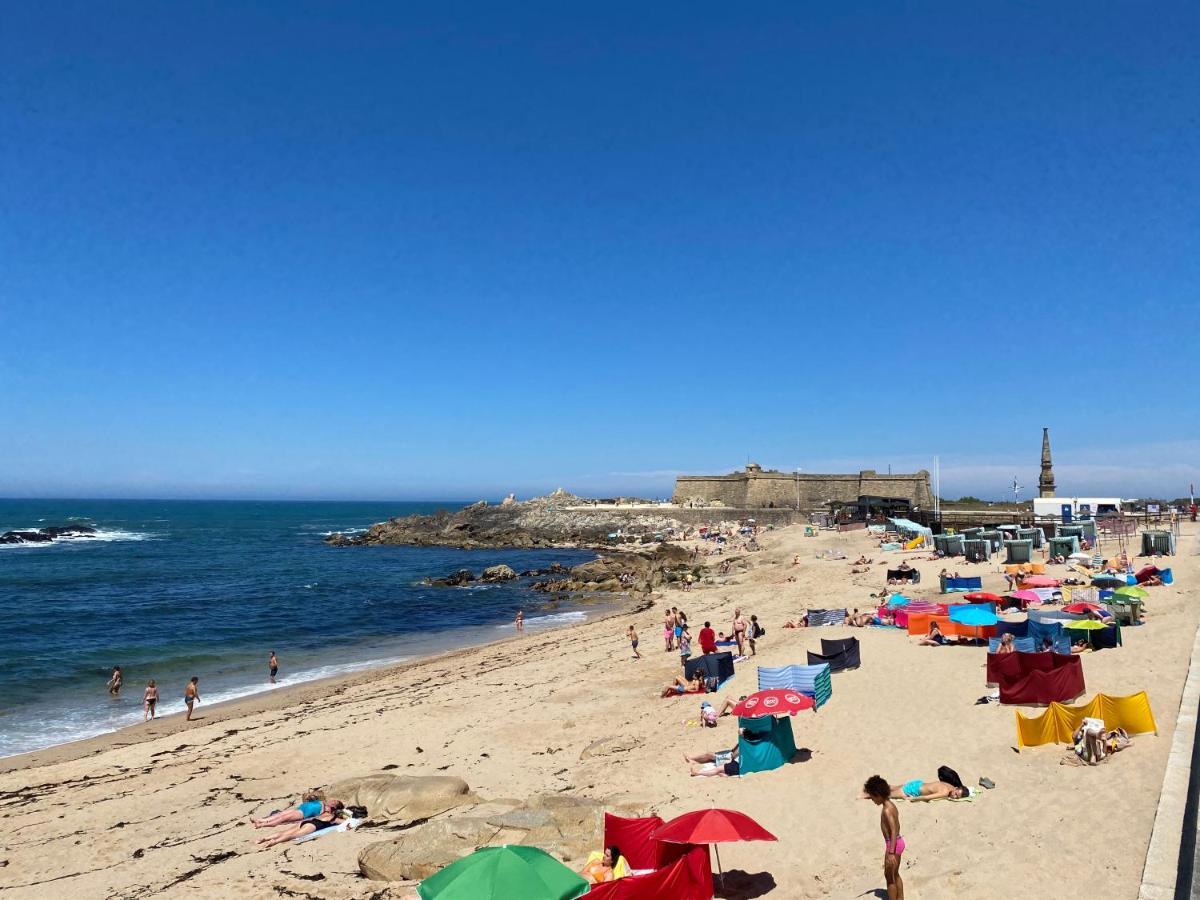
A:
389,251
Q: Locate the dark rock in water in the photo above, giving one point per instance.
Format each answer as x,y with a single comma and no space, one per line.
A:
459,578
45,535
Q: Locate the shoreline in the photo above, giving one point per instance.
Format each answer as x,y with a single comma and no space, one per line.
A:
275,699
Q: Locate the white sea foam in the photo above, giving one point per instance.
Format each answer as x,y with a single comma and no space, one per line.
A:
552,620
102,535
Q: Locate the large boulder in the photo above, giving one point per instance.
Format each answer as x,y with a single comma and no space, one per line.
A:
422,851
402,799
498,573
459,578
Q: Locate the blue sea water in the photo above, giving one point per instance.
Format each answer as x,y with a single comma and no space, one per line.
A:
171,589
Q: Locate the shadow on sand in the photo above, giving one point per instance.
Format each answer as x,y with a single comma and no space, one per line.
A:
738,885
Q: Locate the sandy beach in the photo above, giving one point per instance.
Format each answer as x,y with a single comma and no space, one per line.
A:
163,810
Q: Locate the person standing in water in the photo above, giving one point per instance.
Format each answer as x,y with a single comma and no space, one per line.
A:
520,621
191,695
880,793
114,683
150,700
274,664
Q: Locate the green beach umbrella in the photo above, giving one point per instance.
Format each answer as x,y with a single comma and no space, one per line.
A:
1085,625
509,872
1130,591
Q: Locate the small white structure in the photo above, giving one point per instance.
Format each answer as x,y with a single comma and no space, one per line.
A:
1051,507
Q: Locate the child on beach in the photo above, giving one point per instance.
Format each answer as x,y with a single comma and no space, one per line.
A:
520,621
879,791
150,700
633,640
191,695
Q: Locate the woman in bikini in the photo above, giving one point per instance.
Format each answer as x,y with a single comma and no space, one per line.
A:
150,700
327,819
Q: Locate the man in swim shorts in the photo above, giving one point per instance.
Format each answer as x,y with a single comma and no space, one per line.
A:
274,666
880,793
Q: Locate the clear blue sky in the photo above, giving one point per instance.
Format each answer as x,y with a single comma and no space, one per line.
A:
386,251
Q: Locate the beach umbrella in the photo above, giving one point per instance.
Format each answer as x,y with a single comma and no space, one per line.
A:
981,596
712,826
1081,607
775,702
1039,581
1085,625
897,600
967,614
1027,596
1130,590
1108,581
508,872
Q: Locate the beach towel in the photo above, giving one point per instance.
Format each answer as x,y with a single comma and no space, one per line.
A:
819,617
344,825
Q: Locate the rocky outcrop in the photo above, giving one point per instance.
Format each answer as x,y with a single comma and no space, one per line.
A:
458,579
633,571
565,826
46,535
498,573
559,520
402,799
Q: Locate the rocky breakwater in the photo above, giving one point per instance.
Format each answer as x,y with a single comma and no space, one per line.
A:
557,520
643,570
46,535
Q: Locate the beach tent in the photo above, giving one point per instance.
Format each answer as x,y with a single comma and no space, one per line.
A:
977,550
840,654
1064,546
1032,534
1068,531
818,617
639,850
765,743
1059,722
1036,677
907,529
1106,637
994,538
952,585
689,877
814,681
1019,551
948,544
1158,542
714,665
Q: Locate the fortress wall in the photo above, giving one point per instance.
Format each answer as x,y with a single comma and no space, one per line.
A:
755,489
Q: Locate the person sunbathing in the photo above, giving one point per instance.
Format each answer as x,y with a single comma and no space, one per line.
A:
327,819
683,686
935,638
720,764
310,807
600,870
1006,645
916,789
801,622
862,561
1080,646
859,620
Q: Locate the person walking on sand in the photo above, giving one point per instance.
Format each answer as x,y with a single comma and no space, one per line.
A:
739,631
191,695
150,700
520,620
893,844
273,663
633,640
114,683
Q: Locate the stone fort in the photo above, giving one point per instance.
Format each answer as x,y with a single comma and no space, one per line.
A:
756,488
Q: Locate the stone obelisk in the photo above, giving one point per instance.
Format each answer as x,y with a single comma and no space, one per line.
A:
1046,479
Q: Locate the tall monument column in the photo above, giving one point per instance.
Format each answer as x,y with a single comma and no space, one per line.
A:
1046,479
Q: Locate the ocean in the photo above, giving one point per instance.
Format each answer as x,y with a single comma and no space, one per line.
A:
171,589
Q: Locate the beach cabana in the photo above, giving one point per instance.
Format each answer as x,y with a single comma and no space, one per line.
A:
1019,551
1036,677
977,550
1064,546
1036,535
948,544
765,743
1162,542
839,654
1059,722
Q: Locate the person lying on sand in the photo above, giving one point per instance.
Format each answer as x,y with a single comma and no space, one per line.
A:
862,561
327,819
310,807
720,764
916,789
682,686
859,620
801,622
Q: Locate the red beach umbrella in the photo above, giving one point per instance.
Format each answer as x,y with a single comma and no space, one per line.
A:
1081,607
712,826
983,597
773,703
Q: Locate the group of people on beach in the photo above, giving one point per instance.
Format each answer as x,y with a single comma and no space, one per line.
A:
677,637
191,691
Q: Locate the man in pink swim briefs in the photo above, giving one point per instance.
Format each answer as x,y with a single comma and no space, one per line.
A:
893,844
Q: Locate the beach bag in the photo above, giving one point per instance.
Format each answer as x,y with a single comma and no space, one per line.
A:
759,631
